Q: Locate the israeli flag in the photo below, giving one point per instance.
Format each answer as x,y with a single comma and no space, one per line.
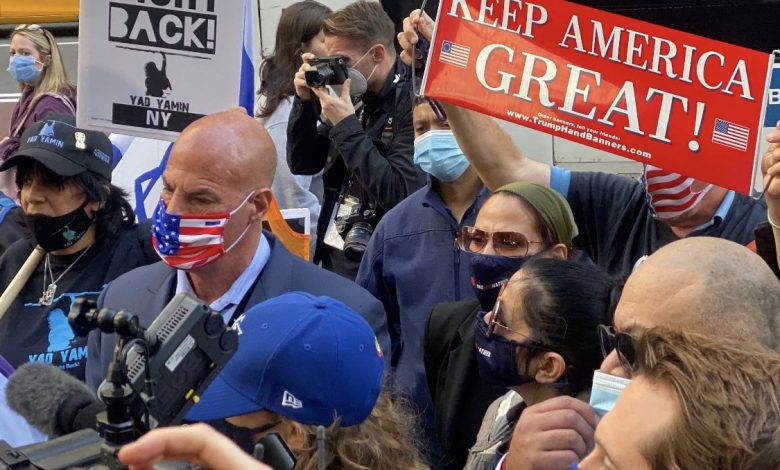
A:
139,162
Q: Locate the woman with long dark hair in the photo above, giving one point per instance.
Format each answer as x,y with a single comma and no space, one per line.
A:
540,340
299,31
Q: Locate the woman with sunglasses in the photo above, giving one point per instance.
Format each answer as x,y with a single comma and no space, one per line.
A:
517,222
36,63
540,340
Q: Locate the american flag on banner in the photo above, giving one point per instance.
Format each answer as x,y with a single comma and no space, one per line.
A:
730,134
454,54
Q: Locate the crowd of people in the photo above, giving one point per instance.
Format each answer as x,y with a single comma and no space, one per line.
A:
467,307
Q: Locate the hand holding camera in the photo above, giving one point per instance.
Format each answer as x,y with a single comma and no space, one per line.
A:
301,87
317,75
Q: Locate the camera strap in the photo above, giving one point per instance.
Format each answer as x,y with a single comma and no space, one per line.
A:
333,236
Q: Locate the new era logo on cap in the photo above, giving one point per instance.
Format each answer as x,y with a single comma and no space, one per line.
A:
310,359
289,400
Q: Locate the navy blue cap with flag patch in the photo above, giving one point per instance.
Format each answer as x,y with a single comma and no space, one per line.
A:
64,149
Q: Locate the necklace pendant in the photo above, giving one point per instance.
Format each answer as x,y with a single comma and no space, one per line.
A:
47,297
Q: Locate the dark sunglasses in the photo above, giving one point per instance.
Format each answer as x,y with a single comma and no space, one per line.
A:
509,244
620,341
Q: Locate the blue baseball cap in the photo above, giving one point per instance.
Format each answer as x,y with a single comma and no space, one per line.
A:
310,359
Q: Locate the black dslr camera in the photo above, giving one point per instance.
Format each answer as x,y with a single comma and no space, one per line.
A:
330,71
355,224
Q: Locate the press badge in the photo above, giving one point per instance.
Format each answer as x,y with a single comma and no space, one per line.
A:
332,236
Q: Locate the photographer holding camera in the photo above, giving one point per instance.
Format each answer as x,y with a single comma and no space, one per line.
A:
365,149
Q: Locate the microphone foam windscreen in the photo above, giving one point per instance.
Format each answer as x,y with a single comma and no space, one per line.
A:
38,391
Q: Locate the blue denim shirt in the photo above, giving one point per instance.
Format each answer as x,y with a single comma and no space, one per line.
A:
410,265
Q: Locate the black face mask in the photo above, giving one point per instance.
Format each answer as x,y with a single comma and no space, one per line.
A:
60,232
497,357
245,437
490,272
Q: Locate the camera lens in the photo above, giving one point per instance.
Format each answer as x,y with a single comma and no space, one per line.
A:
321,77
356,241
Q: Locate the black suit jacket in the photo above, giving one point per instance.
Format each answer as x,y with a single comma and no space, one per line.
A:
460,398
146,290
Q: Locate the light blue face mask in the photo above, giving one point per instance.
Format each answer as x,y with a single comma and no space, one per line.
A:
605,392
22,68
438,154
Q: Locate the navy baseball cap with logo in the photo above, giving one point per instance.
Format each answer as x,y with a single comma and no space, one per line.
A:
64,149
310,359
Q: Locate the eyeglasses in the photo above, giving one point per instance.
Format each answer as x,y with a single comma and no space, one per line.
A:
621,342
527,343
509,244
28,27
493,322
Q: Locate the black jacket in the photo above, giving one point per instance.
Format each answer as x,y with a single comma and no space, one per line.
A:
765,246
460,397
374,149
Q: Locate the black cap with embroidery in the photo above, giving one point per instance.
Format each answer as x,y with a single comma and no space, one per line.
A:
64,149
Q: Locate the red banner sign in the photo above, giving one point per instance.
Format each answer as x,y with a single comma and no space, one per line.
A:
642,91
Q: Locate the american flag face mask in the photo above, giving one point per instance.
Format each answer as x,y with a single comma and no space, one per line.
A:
670,194
191,241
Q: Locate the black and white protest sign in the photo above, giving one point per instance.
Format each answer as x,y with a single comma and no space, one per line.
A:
151,67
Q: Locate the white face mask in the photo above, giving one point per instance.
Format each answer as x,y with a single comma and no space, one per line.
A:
359,83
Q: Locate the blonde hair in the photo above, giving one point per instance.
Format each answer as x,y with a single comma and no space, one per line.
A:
728,394
384,441
54,76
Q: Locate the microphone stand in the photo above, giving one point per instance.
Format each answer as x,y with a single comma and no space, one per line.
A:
116,423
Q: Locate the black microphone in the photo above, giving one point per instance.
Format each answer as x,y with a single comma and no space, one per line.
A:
51,400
